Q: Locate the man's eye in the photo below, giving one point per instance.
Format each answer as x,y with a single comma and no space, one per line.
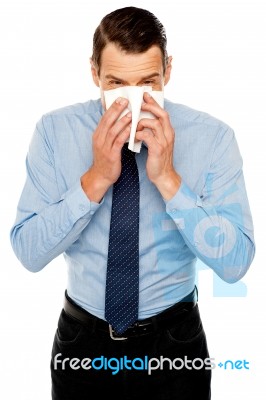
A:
148,82
113,82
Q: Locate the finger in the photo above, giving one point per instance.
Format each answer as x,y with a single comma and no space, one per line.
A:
117,129
109,118
152,106
120,140
153,125
147,136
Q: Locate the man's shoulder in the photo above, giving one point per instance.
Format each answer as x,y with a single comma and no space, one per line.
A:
76,109
64,120
181,114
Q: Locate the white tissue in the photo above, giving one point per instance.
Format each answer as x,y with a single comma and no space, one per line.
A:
134,94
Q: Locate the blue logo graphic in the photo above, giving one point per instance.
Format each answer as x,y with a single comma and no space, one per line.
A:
214,237
230,364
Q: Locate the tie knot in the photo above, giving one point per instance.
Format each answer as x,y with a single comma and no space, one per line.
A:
128,157
127,154
126,150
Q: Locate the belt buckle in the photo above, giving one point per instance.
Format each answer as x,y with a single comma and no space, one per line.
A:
113,334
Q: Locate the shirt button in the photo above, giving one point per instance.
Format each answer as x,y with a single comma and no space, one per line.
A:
91,212
174,211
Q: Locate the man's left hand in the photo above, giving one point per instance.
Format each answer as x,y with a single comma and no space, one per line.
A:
158,134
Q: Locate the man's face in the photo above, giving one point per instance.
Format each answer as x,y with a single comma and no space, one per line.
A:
121,69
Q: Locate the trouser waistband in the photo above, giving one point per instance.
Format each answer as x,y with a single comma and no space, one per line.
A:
172,315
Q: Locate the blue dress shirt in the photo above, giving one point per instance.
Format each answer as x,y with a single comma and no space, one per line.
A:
207,219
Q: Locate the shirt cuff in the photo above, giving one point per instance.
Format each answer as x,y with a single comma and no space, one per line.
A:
183,200
78,202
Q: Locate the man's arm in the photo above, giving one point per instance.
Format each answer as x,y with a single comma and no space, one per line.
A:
47,223
215,224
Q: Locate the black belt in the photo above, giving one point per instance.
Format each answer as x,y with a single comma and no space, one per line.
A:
163,320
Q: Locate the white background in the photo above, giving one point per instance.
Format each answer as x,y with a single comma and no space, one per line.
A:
219,64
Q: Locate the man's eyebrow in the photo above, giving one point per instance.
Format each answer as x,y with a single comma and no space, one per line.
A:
153,75
115,78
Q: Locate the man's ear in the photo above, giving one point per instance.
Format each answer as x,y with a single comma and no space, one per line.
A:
94,74
168,70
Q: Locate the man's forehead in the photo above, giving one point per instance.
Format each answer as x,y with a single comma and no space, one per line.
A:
114,59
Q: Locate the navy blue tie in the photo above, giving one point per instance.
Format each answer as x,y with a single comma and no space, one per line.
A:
122,280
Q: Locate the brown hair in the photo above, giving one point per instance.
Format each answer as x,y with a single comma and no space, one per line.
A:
133,30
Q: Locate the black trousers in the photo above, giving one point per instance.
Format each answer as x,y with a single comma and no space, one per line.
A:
169,364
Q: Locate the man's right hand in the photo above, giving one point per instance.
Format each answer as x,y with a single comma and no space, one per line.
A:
108,140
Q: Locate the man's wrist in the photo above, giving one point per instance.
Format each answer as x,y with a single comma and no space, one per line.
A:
168,184
94,186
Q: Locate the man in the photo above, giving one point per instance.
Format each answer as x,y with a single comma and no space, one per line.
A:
191,203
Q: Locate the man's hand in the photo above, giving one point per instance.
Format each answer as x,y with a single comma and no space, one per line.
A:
158,135
108,140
